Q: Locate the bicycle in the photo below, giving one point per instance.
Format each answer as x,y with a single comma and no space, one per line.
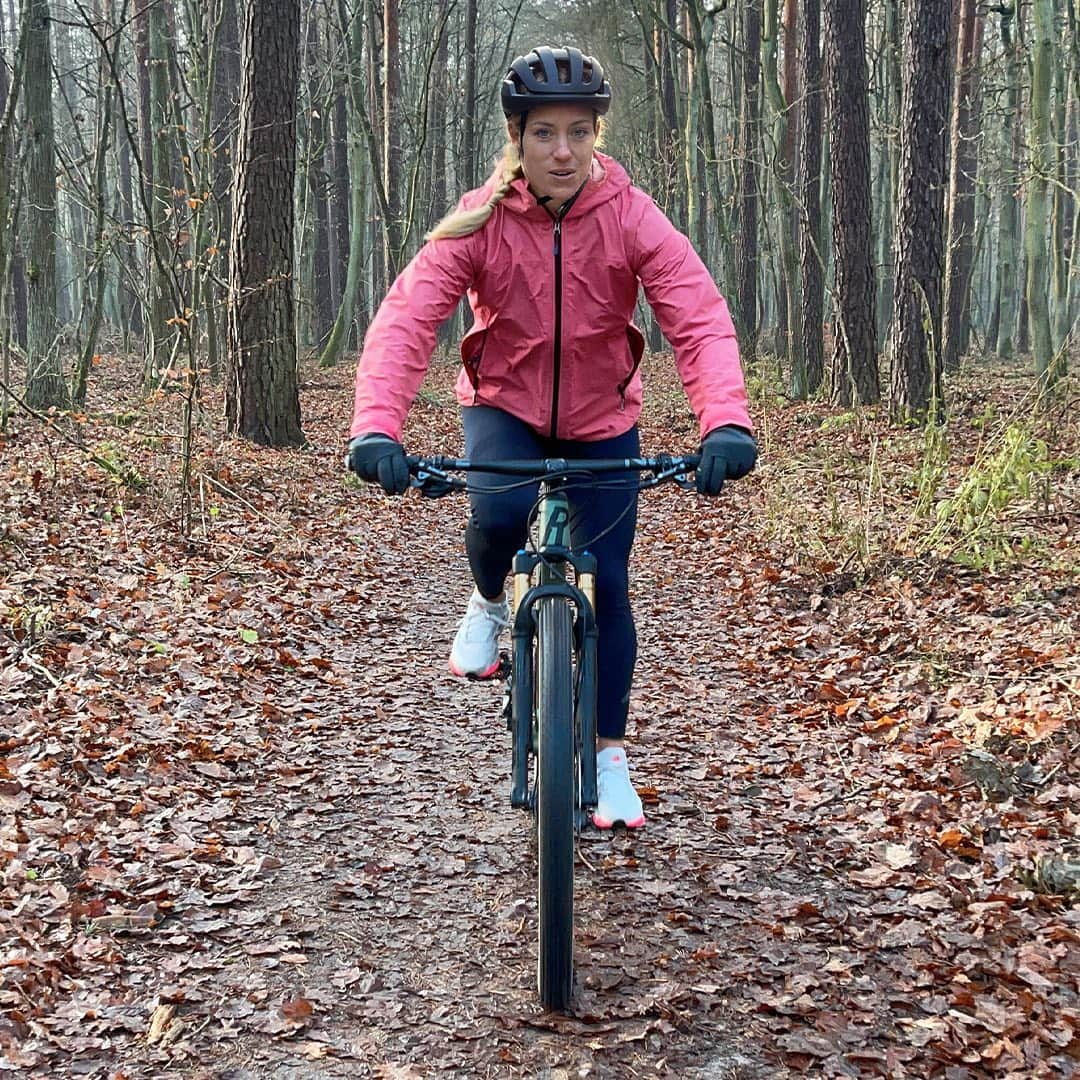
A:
550,700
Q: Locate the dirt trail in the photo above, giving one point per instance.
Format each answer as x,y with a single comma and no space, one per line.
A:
407,883
253,828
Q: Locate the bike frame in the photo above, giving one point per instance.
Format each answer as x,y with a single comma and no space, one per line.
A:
432,475
553,682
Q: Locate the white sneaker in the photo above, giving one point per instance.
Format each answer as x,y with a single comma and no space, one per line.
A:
617,799
476,645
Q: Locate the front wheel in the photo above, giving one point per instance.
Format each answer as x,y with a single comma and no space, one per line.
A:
555,788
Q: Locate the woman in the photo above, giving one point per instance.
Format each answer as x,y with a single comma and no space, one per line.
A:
551,252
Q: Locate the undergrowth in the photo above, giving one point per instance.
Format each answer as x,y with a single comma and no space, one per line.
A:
998,481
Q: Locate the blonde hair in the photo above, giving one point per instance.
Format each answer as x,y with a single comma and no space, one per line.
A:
466,222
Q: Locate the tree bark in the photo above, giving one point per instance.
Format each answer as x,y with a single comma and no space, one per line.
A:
468,149
1061,211
318,184
438,108
46,386
262,400
224,114
355,181
749,194
915,348
674,196
890,168
161,323
393,127
1040,139
810,238
854,362
963,167
1008,281
784,129
95,271
341,196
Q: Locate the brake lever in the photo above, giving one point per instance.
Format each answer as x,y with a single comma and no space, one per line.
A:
433,483
678,474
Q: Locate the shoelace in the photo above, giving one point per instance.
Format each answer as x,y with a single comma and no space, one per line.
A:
476,619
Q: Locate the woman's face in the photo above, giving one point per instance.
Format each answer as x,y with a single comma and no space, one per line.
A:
557,150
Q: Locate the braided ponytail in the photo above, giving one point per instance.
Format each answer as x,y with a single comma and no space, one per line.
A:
466,222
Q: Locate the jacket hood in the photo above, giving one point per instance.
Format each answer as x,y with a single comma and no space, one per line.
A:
608,179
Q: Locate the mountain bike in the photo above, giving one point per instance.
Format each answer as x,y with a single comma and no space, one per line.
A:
550,702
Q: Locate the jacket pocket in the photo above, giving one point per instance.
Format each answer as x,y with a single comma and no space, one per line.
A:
636,341
472,351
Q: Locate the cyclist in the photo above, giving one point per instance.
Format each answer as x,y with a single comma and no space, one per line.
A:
551,252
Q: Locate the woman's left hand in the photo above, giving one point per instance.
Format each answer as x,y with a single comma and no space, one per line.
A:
727,453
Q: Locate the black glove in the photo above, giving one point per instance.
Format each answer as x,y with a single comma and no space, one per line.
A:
380,460
727,453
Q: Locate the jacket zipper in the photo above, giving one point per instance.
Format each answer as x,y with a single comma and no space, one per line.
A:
557,368
557,359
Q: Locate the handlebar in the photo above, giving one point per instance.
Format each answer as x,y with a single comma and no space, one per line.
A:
432,475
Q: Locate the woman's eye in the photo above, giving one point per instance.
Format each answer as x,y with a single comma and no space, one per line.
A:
542,134
581,133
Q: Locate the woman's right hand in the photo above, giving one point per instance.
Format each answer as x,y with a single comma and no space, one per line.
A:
378,459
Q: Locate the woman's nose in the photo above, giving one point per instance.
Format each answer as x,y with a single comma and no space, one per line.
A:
562,147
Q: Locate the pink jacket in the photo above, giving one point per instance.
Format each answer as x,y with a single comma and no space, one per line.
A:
553,340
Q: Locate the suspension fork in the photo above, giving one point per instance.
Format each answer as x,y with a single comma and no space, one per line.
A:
554,554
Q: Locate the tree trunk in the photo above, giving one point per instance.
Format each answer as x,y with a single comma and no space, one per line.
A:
262,401
1008,281
370,116
439,95
713,217
161,324
46,386
355,182
130,305
95,271
341,196
963,165
1040,139
749,196
1061,212
890,154
810,238
318,183
854,362
393,127
468,149
784,128
916,391
223,122
13,313
674,197
9,95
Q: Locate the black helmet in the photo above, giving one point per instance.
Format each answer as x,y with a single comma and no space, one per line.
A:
549,76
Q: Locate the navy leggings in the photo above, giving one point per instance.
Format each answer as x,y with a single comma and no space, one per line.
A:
498,528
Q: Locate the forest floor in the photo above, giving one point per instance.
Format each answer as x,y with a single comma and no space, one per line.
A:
251,827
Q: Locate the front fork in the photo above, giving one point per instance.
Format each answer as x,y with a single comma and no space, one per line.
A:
521,695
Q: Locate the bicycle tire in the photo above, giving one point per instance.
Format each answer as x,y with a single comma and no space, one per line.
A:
555,799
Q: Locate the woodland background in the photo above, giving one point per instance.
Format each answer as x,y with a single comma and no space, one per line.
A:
250,825
878,186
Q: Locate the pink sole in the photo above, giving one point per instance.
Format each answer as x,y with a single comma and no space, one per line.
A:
476,675
603,823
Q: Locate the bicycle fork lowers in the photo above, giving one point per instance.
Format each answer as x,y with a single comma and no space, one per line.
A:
553,591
